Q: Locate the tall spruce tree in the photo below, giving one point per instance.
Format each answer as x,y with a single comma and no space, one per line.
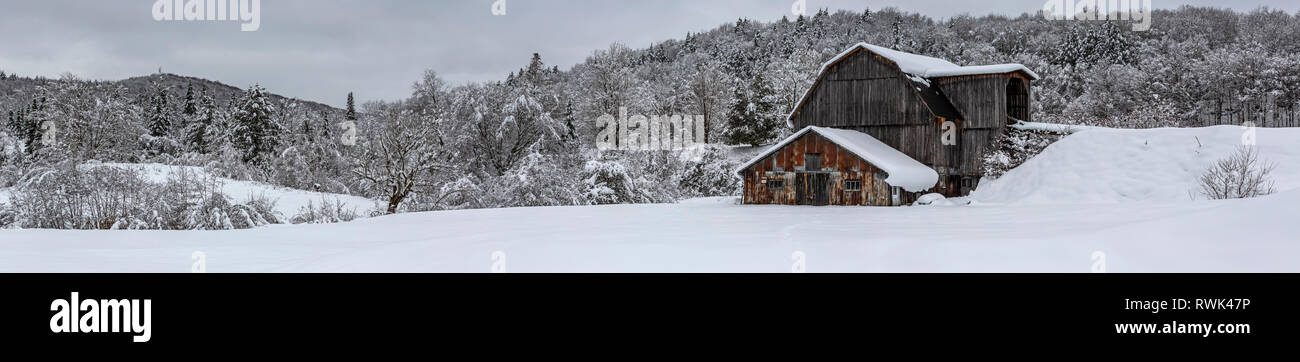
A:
307,134
535,71
160,120
35,117
18,127
352,109
324,127
764,98
752,120
256,132
191,108
898,33
201,134
739,118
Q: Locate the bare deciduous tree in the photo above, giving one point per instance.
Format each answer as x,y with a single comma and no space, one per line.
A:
1241,175
403,156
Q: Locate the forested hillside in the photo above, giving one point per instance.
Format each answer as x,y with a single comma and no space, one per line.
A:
527,139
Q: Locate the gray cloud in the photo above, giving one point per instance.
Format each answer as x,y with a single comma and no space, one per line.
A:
322,49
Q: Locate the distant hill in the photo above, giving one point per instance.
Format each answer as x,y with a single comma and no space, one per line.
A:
219,91
19,90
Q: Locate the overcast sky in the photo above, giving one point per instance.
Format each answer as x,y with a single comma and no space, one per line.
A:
322,49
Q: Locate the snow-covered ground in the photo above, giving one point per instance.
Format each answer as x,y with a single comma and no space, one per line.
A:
1099,165
1119,212
712,235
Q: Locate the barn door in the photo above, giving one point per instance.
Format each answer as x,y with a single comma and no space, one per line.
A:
821,188
801,189
812,189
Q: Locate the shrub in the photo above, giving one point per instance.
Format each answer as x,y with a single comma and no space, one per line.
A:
160,149
256,211
7,216
538,180
1239,176
609,182
1014,148
105,197
327,212
9,175
67,198
710,174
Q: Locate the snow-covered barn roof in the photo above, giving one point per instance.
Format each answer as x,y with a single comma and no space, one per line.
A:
919,68
931,67
903,171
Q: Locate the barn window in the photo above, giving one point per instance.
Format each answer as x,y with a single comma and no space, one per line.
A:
852,185
775,184
812,161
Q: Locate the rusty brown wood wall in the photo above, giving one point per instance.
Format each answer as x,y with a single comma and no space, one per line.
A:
840,165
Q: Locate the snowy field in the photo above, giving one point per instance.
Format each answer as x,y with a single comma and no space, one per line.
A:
1125,194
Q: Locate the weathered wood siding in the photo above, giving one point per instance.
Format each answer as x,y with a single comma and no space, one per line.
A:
864,90
981,99
984,101
788,164
867,93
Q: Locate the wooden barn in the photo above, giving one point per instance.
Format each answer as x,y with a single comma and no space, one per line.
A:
936,113
828,166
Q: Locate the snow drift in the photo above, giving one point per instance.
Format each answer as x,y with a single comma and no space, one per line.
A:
1099,165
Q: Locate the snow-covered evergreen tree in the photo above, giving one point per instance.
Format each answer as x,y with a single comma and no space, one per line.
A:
204,133
191,105
255,131
36,127
351,114
753,120
160,115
